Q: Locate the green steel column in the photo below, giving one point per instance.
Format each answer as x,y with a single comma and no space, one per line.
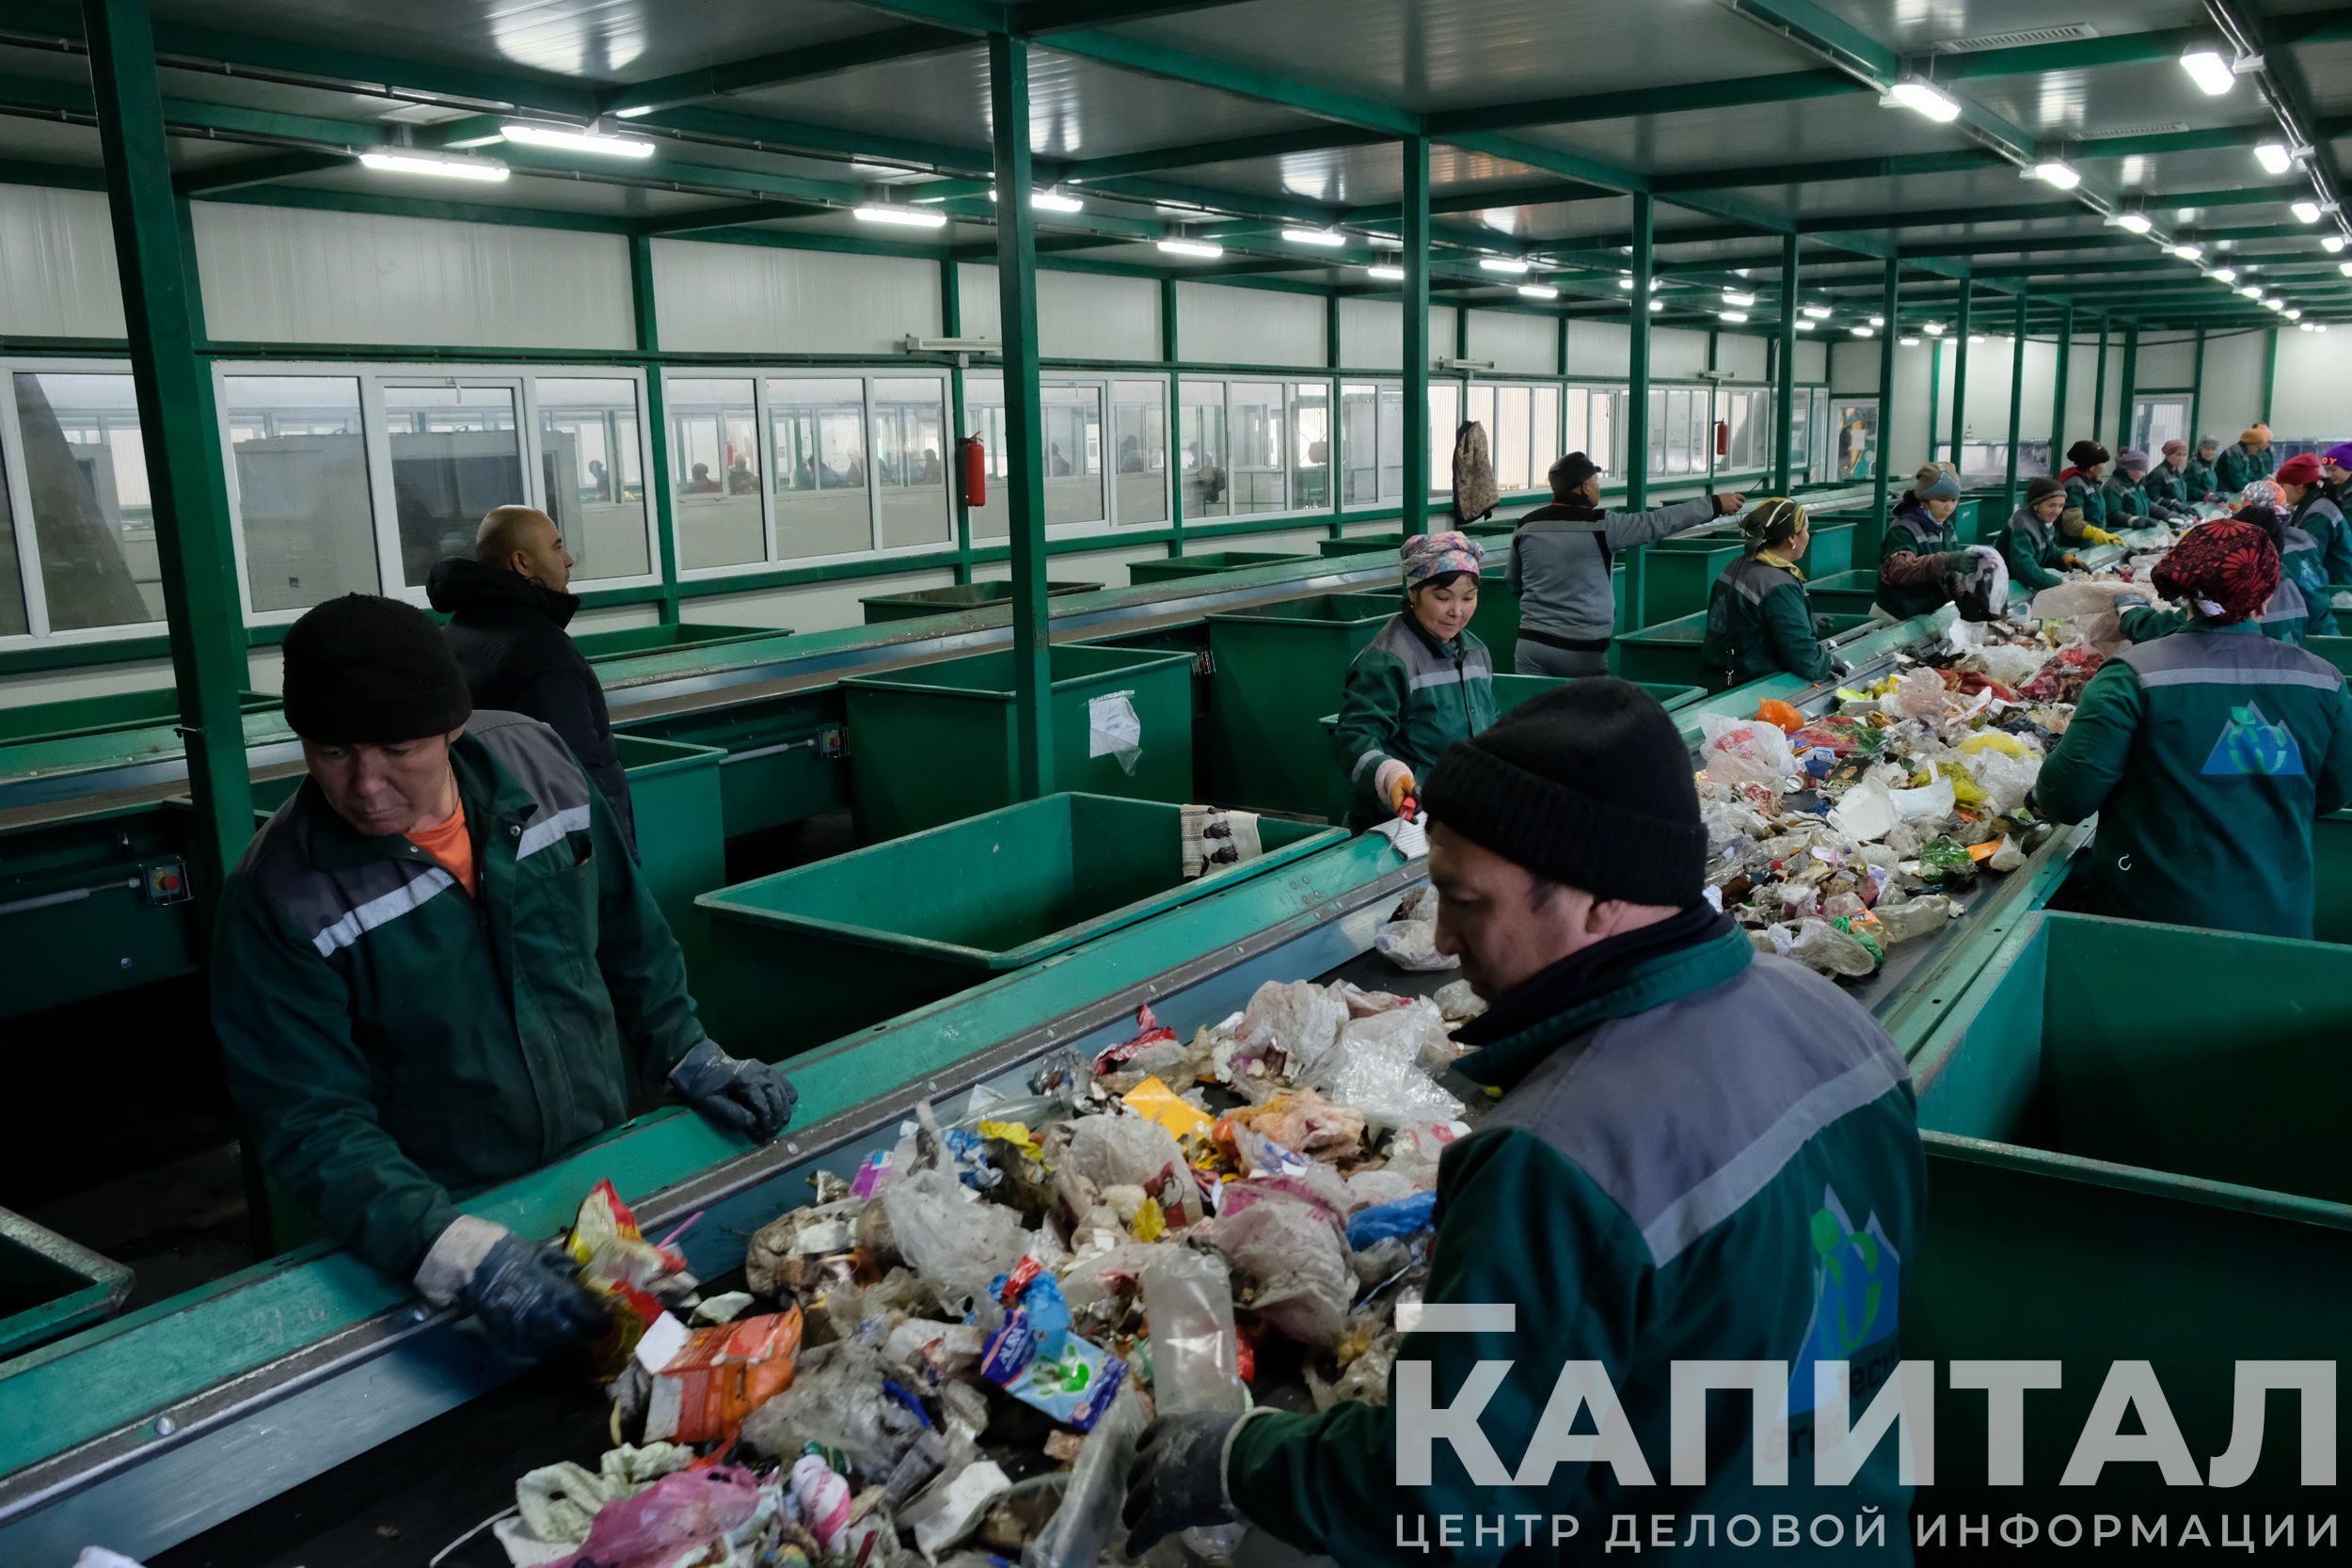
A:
1560,354
1961,328
2017,403
1935,393
1415,258
209,408
1024,415
1167,352
2059,388
2270,367
2099,382
2197,392
951,325
2130,386
1784,371
656,422
1890,304
182,447
1637,377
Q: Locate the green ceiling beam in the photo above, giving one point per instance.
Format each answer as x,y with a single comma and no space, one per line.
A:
659,170
840,244
1155,59
2060,207
414,207
256,171
788,136
1781,87
1568,165
728,216
1037,19
2075,54
1816,170
1193,155
906,41
55,177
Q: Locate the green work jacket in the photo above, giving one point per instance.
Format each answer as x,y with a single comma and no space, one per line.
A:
2163,483
2126,504
2088,498
2207,754
2239,468
1760,623
389,1039
1408,698
2033,551
2200,480
1715,1158
2324,520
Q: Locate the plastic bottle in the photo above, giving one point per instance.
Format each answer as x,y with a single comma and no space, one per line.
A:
1914,917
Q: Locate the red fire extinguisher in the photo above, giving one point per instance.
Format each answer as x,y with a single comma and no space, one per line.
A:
975,459
1723,438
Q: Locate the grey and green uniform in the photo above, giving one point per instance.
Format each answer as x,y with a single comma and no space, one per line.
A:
2169,486
2208,755
1408,698
2320,516
1714,1158
2127,505
2088,497
391,1039
1760,623
2199,479
1915,556
2032,550
2239,466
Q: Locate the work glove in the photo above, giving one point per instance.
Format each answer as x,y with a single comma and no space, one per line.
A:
1394,783
1823,626
2098,535
1726,505
1841,668
2072,563
528,1297
1178,1481
747,1095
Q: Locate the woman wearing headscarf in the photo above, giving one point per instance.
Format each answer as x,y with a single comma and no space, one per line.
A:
2335,466
1759,621
2207,754
1423,682
2127,502
2198,474
2315,512
2246,461
2167,485
1918,553
2085,490
2301,572
2031,544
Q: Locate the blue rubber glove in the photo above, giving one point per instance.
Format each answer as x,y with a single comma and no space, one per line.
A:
1178,1481
747,1095
528,1297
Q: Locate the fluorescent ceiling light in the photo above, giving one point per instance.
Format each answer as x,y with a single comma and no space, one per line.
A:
1051,201
2273,157
2305,212
1502,263
1625,281
441,164
1204,249
1539,291
2131,223
2294,315
2185,252
1934,329
2345,268
2064,176
564,138
1975,337
2251,291
2332,243
1878,321
1922,98
905,217
1818,313
1314,236
1386,274
2227,275
1655,305
1732,315
1738,297
1859,331
2209,71
630,114
1804,326
1909,342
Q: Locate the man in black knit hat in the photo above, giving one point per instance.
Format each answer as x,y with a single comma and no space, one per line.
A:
437,966
1701,1154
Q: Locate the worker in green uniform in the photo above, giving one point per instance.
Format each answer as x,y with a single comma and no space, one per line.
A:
1918,554
2125,501
2197,476
2167,487
2302,575
2244,463
1423,682
2086,489
439,966
1700,1152
2335,467
2207,754
1759,621
2313,510
2032,545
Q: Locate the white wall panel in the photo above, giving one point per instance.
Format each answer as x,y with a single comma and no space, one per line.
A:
809,606
1597,348
1908,433
975,293
2169,362
1675,351
57,265
1107,568
1442,331
1247,326
2308,402
2233,382
1812,361
1743,355
1527,345
1081,316
283,275
1371,334
740,298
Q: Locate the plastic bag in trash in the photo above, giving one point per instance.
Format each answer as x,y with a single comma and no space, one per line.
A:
1129,1152
1196,1357
1289,1241
1920,694
1084,1528
955,1244
1417,1028
667,1520
1382,1079
1404,1217
840,1399
1457,1002
1412,944
1296,1020
1746,750
1819,945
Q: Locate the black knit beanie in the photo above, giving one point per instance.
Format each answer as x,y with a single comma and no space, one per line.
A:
2040,488
1589,785
2086,455
364,671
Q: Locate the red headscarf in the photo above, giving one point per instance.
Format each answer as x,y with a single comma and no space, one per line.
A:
2227,567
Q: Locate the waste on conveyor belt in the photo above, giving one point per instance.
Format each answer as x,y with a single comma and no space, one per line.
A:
949,1353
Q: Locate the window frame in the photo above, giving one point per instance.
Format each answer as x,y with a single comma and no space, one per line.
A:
1170,384
30,577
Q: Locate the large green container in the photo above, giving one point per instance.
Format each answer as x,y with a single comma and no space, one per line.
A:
1832,550
49,1287
117,710
2135,1154
1176,566
937,743
1362,544
1678,574
1278,669
812,953
1669,654
1512,691
2332,878
597,646
921,602
675,795
1842,593
785,756
2335,650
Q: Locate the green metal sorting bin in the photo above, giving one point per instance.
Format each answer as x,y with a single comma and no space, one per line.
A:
815,953
2335,650
116,710
1679,572
675,795
921,602
1176,566
628,642
49,1287
1278,669
1669,654
2136,1142
1841,593
1362,544
937,742
784,755
2332,878
1512,691
1832,550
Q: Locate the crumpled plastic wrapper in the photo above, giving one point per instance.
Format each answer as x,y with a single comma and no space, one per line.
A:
1383,1079
1296,1021
1457,1002
1287,1237
957,1243
838,1400
1412,944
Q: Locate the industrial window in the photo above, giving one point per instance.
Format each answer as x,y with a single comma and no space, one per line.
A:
1510,439
910,454
1391,441
824,502
1594,419
1201,448
1542,439
1360,444
12,620
456,453
299,456
1310,445
1075,451
1139,426
715,492
81,485
1800,431
1445,417
1259,475
593,474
